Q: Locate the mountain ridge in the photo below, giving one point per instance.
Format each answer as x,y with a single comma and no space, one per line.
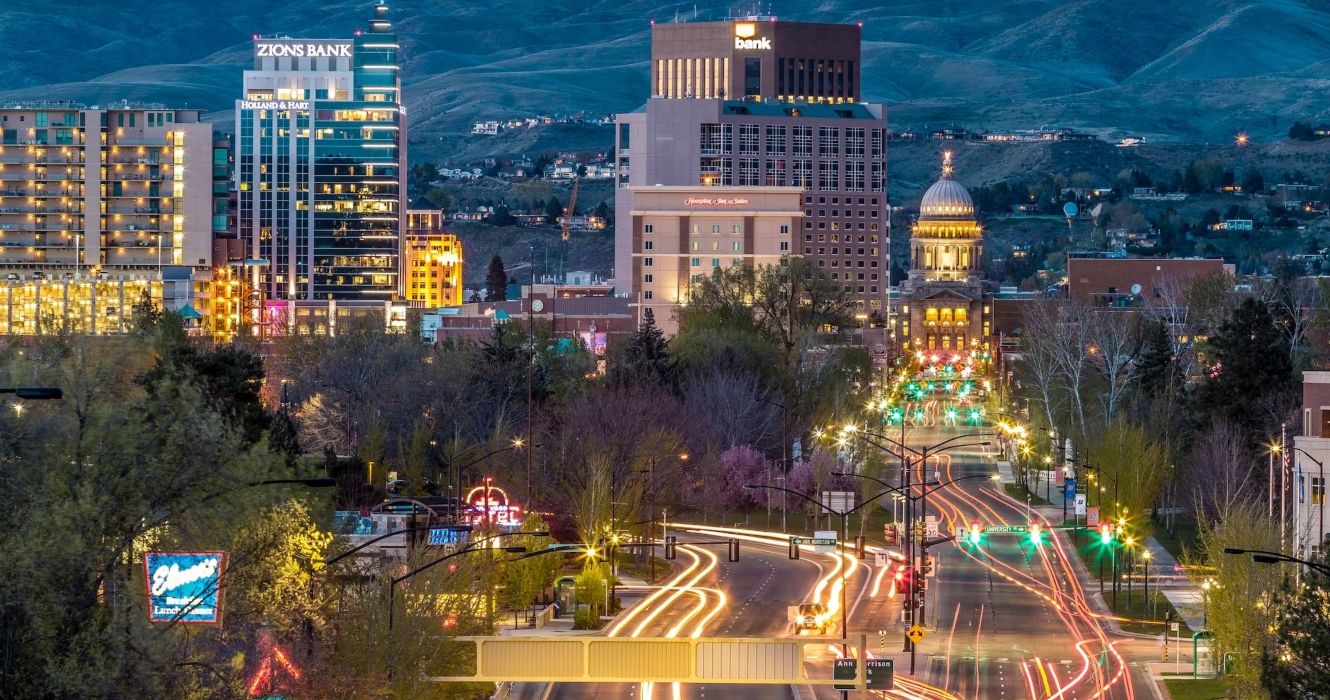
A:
1171,70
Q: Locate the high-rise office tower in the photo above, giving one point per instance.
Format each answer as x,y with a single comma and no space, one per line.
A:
753,102
320,162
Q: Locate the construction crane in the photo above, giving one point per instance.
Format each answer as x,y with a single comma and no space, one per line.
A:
567,221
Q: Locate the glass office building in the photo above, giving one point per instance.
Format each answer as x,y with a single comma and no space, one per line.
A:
320,157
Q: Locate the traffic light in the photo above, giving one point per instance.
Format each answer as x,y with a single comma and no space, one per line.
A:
859,548
974,532
794,548
734,550
1106,534
671,547
1036,535
928,564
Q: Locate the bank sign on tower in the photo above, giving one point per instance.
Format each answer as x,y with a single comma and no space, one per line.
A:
305,49
744,33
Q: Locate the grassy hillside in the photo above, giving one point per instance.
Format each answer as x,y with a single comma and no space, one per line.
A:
1175,70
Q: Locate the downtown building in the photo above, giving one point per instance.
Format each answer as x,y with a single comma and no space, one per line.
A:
319,168
745,106
433,261
101,206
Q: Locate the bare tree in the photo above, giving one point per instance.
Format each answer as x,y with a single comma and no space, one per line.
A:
1298,304
1039,354
1221,474
1114,345
732,407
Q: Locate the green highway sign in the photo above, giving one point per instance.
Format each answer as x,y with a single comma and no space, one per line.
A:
881,674
813,541
844,670
999,529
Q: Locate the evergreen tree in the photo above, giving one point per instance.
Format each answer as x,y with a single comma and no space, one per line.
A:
496,281
553,210
1249,378
646,354
283,436
1253,181
1156,363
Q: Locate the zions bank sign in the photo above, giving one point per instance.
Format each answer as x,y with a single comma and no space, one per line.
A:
304,49
746,38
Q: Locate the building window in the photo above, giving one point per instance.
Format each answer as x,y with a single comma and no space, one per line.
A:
828,141
802,140
854,176
715,228
648,262
1318,491
784,229
784,246
828,175
649,228
748,172
697,262
854,142
748,138
648,245
776,140
775,173
803,173
736,229
737,246
646,294
715,262
648,279
696,245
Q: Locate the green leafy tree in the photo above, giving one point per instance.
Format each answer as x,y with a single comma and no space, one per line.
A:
1156,366
496,281
1297,664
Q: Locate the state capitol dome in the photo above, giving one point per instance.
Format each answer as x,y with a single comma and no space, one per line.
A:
946,199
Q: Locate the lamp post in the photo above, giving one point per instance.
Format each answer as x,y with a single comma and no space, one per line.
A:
1145,563
517,444
922,456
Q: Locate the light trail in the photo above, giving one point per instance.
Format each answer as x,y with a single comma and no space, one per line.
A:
618,626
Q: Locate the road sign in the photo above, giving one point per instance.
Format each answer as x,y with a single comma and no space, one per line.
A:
814,541
844,670
916,634
879,558
880,674
1080,504
1092,517
1172,627
1005,528
930,526
838,501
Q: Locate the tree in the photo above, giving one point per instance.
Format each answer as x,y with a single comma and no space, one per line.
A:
441,198
1297,664
1252,181
1301,131
743,465
1236,601
496,281
646,354
1249,378
1156,367
553,210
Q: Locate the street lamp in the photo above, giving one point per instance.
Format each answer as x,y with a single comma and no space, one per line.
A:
35,393
1261,556
1145,562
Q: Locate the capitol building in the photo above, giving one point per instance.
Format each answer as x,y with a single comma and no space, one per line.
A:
945,304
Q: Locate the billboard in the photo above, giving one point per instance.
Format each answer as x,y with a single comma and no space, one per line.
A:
184,586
